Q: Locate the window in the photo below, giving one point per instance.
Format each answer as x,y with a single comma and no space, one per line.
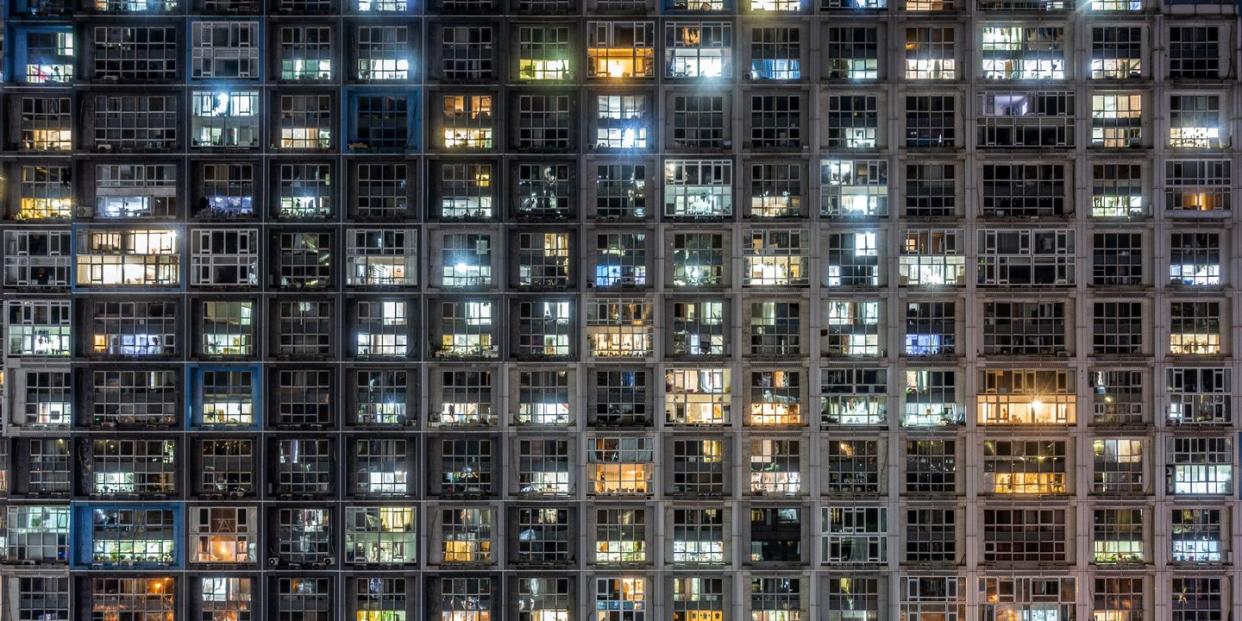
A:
545,191
46,123
35,259
39,328
465,398
466,467
1194,328
930,190
381,397
1117,466
131,597
776,257
852,122
543,52
775,121
775,53
1194,259
466,329
1024,191
466,260
543,537
1197,536
382,53
136,122
225,119
853,188
131,53
224,257
931,399
465,191
1117,259
697,396
40,597
1195,122
1116,52
698,467
1026,257
1199,465
1199,396
122,536
46,193
776,191
381,191
380,122
49,56
543,123
620,536
775,329
621,598
545,598
621,49
1023,52
305,53
931,467
304,537
775,398
41,399
1024,328
1026,397
854,396
305,122
133,329
1194,52
932,258
1198,186
543,260
1024,536
380,467
1117,536
1193,599
853,259
226,329
381,257
544,398
855,535
1022,467
305,191
224,50
775,467
1028,596
698,536
698,260
466,535
1118,397
304,260
620,191
931,536
224,535
698,49
1117,120
226,468
1118,598
930,54
699,122
36,534
544,467
544,328
467,52
620,260
852,328
307,599
620,328
773,598
135,191
620,466
379,598
304,467
852,53
304,398
931,329
619,398
1025,119
225,190
1117,191
931,121
853,466
1117,328
128,258
698,188
852,597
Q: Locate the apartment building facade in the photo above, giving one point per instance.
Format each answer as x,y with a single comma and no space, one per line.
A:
619,310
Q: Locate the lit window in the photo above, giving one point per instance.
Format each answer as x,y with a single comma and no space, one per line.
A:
852,53
1197,536
1023,52
1194,328
466,535
1195,122
1117,536
775,398
1021,467
1198,187
697,396
621,49
776,258
698,188
1199,466
466,260
46,193
775,467
620,465
1117,466
698,537
1026,397
852,328
226,328
543,52
467,122
1116,120
49,57
620,328
224,534
698,49
775,53
621,122
930,53
225,119
128,257
1195,259
931,399
854,396
382,53
853,188
1117,191
621,598
1116,52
